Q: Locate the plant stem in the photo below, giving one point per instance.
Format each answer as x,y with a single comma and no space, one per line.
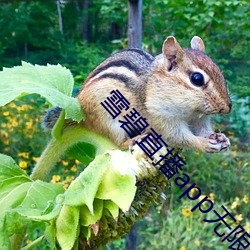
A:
57,147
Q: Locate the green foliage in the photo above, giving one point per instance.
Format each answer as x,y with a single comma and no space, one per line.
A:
99,191
52,82
19,198
225,179
30,32
24,200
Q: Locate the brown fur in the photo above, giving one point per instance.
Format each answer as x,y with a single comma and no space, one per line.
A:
160,90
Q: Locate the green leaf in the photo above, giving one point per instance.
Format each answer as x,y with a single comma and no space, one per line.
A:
53,82
47,216
6,186
14,198
83,189
20,197
39,194
118,188
4,240
9,168
86,218
83,152
67,226
86,231
26,202
50,234
112,207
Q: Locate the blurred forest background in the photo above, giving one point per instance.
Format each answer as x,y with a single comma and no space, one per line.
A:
79,34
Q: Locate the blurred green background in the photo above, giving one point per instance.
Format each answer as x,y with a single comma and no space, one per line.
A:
90,32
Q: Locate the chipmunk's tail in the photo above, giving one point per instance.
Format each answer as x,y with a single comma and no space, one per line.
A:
50,117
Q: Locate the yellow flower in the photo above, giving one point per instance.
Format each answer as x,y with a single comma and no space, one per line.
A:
238,159
77,162
193,191
23,164
6,113
35,159
65,163
6,149
24,154
12,105
22,108
235,204
224,164
55,178
4,134
186,212
182,248
14,123
6,141
238,217
73,168
29,124
197,152
212,196
65,185
70,178
197,242
202,197
245,198
234,152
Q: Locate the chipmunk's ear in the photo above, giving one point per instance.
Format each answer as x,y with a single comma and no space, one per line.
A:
197,43
171,49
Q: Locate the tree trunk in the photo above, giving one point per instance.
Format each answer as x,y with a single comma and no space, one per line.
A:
135,23
85,20
59,16
131,238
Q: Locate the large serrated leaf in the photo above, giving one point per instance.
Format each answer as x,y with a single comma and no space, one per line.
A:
53,82
118,188
83,189
21,197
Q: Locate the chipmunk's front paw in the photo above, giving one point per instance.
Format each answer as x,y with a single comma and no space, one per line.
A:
131,142
218,142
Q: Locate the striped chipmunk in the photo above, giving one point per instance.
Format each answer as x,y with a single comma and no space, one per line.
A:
175,91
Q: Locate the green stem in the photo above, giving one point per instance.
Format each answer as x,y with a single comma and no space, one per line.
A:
57,147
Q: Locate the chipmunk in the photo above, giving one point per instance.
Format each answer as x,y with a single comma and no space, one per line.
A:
176,92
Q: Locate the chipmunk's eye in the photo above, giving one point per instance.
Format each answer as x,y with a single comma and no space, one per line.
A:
197,79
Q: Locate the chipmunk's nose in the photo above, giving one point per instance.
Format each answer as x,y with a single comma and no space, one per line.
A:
226,109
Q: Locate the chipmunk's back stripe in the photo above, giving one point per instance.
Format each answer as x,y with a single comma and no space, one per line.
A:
119,63
142,53
118,77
